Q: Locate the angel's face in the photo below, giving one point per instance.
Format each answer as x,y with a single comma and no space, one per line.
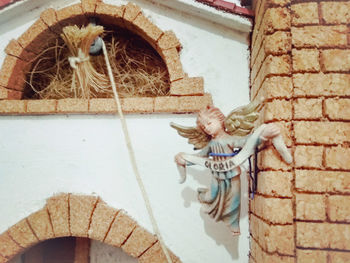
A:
212,126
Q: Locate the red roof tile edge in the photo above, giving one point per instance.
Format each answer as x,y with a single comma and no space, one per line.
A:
4,3
228,7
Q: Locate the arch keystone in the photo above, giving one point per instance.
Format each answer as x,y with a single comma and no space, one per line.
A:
59,213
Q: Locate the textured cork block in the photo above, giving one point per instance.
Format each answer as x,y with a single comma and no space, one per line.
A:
72,106
306,60
310,207
335,12
12,107
318,84
143,27
81,208
194,103
275,183
71,15
337,158
12,73
188,86
308,156
337,109
155,254
8,248
274,87
307,109
130,14
277,110
14,94
311,256
319,36
166,104
339,208
102,106
89,7
22,234
15,49
168,40
322,181
120,230
41,224
3,93
139,240
261,256
49,17
270,159
339,257
315,132
41,106
276,19
101,220
305,13
59,214
110,14
282,207
33,39
335,60
173,62
137,105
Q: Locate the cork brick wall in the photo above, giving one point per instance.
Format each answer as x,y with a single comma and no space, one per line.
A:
300,65
82,216
186,93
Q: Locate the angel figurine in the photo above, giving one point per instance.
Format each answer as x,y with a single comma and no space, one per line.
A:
219,138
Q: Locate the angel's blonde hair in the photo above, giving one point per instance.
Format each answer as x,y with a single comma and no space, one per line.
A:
210,112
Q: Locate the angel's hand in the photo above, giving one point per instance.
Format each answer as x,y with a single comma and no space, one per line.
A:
179,159
269,132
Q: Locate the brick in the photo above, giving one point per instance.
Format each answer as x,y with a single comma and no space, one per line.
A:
22,234
306,60
146,29
138,105
310,84
3,93
59,213
41,106
14,94
337,109
188,86
337,158
89,7
305,13
41,224
335,12
12,74
49,17
139,240
102,106
12,106
72,105
156,254
270,159
168,40
262,257
323,235
121,228
71,15
339,257
276,19
110,14
194,103
310,207
15,49
322,181
319,36
172,60
101,220
286,131
282,209
277,110
276,87
339,208
131,12
8,248
81,208
308,156
166,104
311,256
275,183
322,132
335,60
307,109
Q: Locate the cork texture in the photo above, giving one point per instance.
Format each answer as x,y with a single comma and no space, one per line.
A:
138,242
156,254
8,247
41,106
58,209
187,86
22,234
41,224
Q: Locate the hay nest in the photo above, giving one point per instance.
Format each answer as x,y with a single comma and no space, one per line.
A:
138,70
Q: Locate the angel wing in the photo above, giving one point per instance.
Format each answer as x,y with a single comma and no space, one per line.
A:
240,121
194,135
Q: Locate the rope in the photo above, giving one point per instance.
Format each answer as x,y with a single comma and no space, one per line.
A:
73,61
132,158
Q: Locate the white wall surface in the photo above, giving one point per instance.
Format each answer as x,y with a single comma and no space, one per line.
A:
44,155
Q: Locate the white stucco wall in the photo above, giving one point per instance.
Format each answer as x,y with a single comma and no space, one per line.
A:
43,155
